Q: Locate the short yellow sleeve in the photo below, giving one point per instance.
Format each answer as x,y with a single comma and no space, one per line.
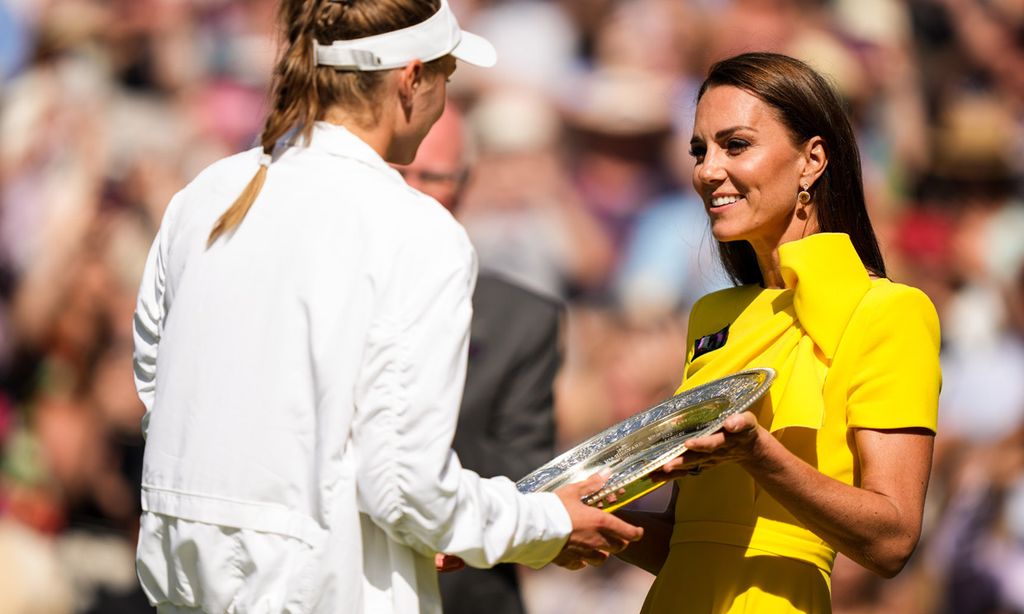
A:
895,375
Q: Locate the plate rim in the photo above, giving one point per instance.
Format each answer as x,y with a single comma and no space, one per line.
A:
596,497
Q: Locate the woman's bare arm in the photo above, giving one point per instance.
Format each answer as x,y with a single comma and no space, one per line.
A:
876,523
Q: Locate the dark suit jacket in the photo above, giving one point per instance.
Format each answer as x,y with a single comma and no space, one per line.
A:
506,422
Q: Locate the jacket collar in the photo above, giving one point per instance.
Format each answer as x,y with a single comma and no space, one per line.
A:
336,140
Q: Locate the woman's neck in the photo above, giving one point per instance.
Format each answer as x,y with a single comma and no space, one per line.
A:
771,273
378,136
767,249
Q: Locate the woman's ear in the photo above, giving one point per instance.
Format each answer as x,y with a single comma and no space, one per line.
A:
410,79
815,160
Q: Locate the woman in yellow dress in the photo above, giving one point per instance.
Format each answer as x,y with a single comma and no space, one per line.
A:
837,456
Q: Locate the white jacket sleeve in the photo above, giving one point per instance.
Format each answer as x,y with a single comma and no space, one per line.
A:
148,319
410,482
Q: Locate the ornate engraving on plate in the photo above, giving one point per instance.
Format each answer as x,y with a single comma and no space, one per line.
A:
635,447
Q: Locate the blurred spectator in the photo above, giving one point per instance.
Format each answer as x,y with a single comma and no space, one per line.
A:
535,40
523,215
15,35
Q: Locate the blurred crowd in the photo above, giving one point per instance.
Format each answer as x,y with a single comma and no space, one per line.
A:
580,190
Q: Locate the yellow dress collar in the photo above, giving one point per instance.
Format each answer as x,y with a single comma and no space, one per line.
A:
796,330
828,282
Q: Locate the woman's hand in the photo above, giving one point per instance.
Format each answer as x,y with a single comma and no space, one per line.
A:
737,441
595,534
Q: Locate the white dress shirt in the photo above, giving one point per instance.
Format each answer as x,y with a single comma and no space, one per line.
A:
302,378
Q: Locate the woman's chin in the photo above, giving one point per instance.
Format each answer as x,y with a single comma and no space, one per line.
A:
726,235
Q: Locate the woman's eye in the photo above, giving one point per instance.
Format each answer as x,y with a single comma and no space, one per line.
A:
736,145
697,152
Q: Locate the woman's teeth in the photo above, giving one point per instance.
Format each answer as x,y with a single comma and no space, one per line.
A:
719,201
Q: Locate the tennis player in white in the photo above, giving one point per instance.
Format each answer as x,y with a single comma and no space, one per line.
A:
300,346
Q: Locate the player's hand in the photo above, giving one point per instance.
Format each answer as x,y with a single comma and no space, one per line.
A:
595,534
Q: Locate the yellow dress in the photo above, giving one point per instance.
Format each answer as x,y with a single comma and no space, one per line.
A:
849,352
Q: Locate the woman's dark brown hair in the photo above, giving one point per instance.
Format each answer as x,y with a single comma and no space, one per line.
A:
808,106
302,92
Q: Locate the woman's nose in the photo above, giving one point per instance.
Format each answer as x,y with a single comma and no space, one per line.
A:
710,170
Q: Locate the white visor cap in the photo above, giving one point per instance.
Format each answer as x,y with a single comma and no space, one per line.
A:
436,37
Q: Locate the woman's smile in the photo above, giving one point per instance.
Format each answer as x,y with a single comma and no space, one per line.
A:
723,202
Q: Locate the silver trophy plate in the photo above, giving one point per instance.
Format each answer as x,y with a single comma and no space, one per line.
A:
638,445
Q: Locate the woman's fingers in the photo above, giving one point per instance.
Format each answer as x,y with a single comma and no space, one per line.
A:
740,422
690,463
686,461
593,483
726,438
707,444
727,444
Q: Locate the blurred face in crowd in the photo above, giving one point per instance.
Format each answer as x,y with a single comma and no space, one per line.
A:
748,170
439,169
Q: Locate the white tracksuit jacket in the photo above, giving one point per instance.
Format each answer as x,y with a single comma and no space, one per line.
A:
302,378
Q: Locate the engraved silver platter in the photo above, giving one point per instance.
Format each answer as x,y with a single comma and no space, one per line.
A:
638,445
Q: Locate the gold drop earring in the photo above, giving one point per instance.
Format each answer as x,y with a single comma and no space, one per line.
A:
803,198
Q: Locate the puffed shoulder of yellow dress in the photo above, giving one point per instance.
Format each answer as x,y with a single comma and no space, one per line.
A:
850,352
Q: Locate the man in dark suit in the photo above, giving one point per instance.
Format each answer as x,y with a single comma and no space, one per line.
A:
506,422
